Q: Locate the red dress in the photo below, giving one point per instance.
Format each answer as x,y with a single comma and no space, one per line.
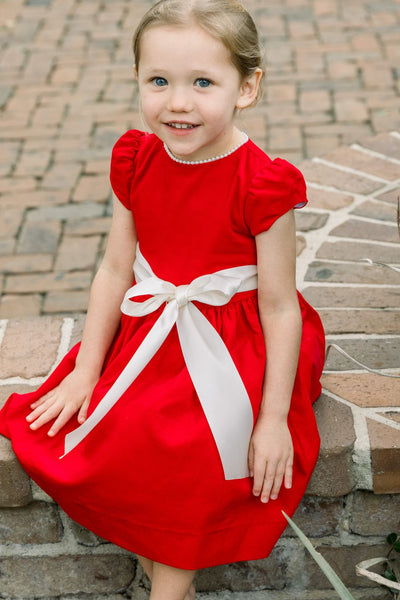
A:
149,477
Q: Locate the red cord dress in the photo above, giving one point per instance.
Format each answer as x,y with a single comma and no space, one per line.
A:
149,476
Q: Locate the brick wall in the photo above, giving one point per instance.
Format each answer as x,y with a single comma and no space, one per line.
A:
43,554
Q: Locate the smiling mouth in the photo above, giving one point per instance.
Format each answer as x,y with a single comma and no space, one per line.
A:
181,125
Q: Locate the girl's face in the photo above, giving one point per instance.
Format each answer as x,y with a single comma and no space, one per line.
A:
190,91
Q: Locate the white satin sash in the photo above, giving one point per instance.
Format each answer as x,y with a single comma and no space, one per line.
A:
220,389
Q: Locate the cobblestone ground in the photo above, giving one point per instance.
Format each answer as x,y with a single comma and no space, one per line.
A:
67,93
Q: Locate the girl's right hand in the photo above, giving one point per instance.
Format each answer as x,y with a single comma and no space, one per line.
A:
72,395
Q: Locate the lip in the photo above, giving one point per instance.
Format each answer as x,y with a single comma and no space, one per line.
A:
181,131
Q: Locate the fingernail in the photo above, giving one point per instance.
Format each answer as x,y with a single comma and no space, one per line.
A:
274,496
264,500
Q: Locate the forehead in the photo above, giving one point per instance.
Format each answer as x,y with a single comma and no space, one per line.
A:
191,46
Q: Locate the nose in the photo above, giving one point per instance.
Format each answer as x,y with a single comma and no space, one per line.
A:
179,99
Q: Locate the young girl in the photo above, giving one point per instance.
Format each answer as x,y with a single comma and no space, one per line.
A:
180,429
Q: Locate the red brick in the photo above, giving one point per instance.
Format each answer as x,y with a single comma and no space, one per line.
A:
66,302
355,228
77,253
342,69
27,339
376,210
20,184
315,100
15,489
374,515
65,75
285,138
377,75
374,352
37,523
362,297
33,198
360,321
343,560
97,166
92,188
350,273
343,181
351,110
301,29
27,283
10,222
361,161
34,163
39,237
385,144
62,176
280,93
21,305
319,146
26,262
309,221
391,196
88,226
56,575
333,475
385,457
343,250
327,200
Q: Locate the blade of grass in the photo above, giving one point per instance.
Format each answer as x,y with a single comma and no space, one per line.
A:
335,580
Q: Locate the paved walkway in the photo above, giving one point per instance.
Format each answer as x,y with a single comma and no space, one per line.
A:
67,94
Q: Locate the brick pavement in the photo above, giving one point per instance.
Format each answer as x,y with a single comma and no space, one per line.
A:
67,94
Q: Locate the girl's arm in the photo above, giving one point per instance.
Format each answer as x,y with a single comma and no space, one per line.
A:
271,448
111,282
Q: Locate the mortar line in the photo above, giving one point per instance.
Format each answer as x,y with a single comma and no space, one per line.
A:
3,327
330,284
66,333
356,172
375,154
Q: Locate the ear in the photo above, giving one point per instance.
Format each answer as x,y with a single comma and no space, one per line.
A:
249,89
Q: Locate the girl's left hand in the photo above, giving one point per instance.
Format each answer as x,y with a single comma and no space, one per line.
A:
270,457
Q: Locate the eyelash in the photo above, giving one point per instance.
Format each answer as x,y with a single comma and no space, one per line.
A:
200,79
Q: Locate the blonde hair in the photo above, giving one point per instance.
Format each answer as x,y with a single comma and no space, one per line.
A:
226,20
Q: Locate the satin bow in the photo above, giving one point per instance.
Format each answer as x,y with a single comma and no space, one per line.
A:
220,389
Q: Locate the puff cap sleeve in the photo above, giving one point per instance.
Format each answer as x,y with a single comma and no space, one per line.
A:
123,165
277,188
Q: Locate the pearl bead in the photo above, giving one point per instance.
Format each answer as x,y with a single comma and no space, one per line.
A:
205,160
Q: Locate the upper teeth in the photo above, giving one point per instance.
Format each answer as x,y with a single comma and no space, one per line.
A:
181,125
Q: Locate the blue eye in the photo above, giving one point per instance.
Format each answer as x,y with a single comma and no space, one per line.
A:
159,81
203,83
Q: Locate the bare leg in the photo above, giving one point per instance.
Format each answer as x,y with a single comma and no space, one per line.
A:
169,583
147,566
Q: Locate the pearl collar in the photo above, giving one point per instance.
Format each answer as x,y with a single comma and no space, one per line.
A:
206,160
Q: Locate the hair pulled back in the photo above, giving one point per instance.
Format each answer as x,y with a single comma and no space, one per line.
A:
226,20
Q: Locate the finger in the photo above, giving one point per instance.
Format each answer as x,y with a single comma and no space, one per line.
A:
63,418
259,474
43,398
280,472
40,410
48,415
289,474
251,460
82,415
268,482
